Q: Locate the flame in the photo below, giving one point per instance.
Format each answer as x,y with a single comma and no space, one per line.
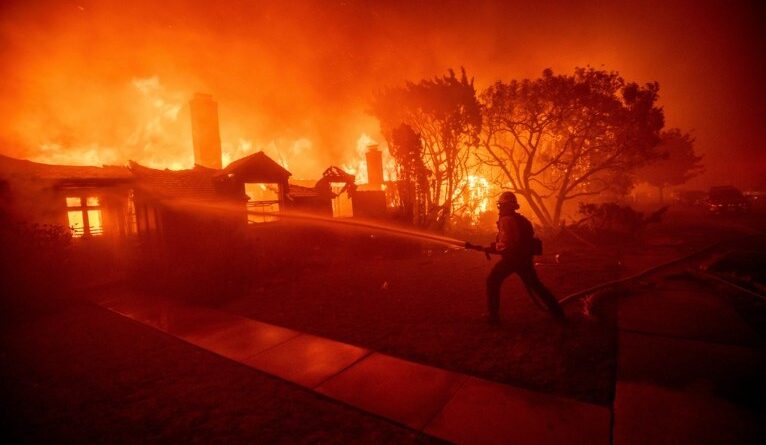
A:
473,197
149,123
358,165
158,134
92,154
161,137
230,153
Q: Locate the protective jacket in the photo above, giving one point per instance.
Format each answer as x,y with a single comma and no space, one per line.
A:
514,237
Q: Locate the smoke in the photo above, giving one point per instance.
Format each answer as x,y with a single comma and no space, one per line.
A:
106,81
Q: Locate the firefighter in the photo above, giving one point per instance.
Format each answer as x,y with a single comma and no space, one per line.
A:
516,245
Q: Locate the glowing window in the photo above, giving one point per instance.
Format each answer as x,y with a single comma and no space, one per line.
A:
84,216
76,223
263,202
94,222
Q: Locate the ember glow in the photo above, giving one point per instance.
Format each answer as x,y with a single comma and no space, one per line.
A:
474,197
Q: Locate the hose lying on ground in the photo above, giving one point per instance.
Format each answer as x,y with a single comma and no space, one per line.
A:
645,272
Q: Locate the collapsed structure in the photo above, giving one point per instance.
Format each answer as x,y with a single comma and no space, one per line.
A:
121,201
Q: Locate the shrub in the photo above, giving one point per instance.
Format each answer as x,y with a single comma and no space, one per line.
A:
35,263
615,219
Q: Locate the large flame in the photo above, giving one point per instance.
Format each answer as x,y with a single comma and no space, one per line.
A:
472,198
94,82
161,138
357,166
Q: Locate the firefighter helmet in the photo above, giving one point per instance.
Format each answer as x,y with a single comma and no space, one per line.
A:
508,199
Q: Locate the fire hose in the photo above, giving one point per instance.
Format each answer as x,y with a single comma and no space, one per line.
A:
480,248
612,283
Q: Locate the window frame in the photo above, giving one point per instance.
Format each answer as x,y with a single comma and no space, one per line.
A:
253,205
84,208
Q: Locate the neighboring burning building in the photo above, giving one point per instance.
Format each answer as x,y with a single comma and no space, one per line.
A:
311,200
262,181
340,187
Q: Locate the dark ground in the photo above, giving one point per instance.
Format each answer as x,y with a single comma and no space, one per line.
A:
81,374
75,373
431,308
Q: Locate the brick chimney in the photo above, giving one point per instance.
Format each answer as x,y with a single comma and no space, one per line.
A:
205,134
374,167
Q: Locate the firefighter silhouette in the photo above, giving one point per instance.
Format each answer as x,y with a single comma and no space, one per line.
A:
516,245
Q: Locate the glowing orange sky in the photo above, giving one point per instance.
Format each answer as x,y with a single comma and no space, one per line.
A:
104,80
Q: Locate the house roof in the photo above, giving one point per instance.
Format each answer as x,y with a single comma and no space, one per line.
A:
196,183
11,168
199,183
256,167
299,191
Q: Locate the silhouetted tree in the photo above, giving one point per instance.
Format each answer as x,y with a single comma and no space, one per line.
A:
677,165
560,137
407,150
446,115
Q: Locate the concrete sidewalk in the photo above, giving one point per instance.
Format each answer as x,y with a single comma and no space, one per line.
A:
444,404
690,370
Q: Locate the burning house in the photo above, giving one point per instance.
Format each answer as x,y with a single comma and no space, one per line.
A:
116,202
110,201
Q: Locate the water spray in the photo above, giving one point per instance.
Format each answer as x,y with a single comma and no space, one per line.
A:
364,224
360,224
231,208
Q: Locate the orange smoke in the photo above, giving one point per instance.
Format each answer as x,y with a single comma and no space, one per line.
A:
105,81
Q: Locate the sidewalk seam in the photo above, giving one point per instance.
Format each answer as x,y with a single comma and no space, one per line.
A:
462,384
344,369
